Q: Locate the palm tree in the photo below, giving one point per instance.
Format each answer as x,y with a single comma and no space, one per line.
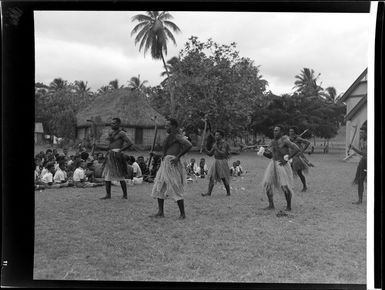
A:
114,84
136,84
81,87
103,90
330,94
153,31
57,84
306,83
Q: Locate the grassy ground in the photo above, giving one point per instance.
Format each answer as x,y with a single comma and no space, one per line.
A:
323,240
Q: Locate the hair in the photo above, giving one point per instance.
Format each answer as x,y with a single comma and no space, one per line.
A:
140,157
48,150
221,132
84,155
132,158
117,120
173,122
49,166
61,163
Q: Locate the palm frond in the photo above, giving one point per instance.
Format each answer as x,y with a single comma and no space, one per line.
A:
169,34
165,15
137,27
141,18
144,40
141,33
172,25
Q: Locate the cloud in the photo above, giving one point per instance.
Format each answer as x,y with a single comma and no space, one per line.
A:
97,46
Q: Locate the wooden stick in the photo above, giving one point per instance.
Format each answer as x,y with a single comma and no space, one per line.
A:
93,127
351,142
204,133
153,142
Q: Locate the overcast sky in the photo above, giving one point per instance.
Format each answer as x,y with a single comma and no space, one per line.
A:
96,46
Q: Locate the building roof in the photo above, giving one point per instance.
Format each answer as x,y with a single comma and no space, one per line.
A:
131,107
39,127
359,80
356,108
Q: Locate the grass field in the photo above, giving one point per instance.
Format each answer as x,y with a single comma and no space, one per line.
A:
223,239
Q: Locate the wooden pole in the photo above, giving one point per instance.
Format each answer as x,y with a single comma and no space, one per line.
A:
204,133
351,142
153,142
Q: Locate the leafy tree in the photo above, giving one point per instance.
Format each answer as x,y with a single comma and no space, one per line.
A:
153,32
114,84
213,79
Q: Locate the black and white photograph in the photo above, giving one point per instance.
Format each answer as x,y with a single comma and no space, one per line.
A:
203,146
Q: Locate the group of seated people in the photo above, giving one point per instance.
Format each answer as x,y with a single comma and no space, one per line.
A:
194,170
54,170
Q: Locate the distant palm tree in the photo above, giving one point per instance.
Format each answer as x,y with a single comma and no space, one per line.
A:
81,87
153,32
330,94
114,84
136,84
306,83
57,84
103,90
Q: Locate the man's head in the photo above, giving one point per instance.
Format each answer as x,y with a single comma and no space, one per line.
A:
115,123
234,164
62,165
203,160
65,151
277,132
238,162
84,155
83,164
140,159
171,124
50,167
292,132
192,160
219,134
48,152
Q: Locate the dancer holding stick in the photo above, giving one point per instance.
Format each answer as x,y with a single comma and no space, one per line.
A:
153,142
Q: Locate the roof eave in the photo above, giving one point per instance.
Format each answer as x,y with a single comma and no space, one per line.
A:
353,86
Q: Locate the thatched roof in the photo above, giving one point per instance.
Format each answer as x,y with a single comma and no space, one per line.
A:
130,106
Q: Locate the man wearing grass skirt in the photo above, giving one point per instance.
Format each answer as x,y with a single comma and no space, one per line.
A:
278,173
115,165
220,170
170,178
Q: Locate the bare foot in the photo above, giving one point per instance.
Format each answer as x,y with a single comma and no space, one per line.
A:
157,215
269,207
182,217
105,197
206,194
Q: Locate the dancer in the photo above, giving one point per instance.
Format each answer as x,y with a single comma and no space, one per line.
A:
170,178
115,165
362,165
278,173
299,164
220,170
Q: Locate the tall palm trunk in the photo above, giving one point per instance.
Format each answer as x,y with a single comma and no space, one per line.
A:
171,91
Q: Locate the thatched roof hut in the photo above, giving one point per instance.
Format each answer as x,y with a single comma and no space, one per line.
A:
131,107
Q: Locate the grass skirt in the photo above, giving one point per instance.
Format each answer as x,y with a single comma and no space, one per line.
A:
115,166
219,170
169,181
361,171
298,163
278,175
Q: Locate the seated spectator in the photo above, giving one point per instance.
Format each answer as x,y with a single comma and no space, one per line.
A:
240,170
79,177
233,169
48,155
98,168
47,178
60,176
191,169
137,171
202,168
143,166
